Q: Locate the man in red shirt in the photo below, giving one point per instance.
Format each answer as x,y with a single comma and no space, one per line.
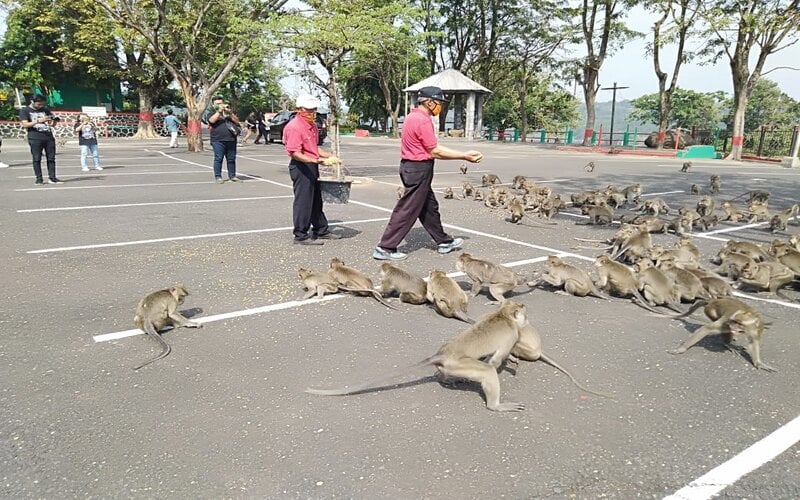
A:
418,149
300,138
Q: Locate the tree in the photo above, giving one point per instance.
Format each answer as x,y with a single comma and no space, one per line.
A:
682,14
767,106
332,31
200,42
603,31
736,27
688,109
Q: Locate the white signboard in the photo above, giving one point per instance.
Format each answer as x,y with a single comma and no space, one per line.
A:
94,110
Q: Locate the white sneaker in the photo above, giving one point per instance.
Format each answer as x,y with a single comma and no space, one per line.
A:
84,169
3,165
98,168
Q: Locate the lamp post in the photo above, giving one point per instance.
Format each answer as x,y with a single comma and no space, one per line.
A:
613,109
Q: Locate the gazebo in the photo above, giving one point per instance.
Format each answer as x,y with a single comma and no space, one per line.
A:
454,83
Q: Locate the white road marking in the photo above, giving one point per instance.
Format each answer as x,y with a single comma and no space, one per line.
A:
190,237
273,307
121,205
107,186
106,173
756,455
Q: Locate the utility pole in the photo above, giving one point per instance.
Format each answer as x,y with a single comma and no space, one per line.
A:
613,109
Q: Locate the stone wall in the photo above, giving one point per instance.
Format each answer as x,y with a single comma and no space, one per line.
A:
113,125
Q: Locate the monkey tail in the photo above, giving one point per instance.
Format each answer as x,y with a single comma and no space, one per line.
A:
165,348
385,382
697,305
463,317
547,359
374,293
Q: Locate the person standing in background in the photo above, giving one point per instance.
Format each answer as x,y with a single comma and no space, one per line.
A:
173,125
87,139
39,122
223,138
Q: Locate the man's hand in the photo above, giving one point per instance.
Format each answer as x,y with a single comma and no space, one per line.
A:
473,156
330,160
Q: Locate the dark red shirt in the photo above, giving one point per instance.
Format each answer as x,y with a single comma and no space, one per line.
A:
301,136
417,137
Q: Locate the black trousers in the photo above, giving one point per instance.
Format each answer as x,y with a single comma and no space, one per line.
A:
263,132
307,208
418,202
49,148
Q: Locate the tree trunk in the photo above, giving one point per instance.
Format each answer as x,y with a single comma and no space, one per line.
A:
523,116
194,127
590,88
739,107
333,95
663,121
145,128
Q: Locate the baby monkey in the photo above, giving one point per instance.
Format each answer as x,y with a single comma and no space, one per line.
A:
321,284
158,310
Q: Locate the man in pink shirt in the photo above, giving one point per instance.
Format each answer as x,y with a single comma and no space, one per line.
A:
418,149
300,138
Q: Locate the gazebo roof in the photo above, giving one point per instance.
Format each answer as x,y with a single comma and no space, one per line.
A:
449,80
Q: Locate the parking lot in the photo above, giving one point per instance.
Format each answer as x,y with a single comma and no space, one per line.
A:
226,415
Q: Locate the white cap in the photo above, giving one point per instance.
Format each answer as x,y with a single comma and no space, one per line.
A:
307,101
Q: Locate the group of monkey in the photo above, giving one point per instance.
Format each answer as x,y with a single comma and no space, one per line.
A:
635,268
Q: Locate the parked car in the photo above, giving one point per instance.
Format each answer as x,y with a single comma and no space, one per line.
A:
280,120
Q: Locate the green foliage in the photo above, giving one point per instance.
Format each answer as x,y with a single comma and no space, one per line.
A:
771,107
546,107
689,108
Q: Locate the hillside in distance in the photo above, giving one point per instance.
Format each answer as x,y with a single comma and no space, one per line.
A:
603,117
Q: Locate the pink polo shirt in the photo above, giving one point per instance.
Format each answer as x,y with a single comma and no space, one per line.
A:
299,135
417,137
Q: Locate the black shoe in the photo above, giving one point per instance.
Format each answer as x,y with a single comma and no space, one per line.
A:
54,180
328,236
39,181
308,241
256,142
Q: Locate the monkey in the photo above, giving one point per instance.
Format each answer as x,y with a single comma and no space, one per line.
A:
705,206
759,195
687,286
394,279
788,256
448,193
632,193
715,183
467,189
655,206
598,214
688,251
463,168
583,198
619,279
714,285
159,309
518,181
517,211
489,180
655,286
447,297
758,211
731,263
635,247
498,278
574,281
401,191
730,318
779,221
767,276
679,255
589,167
320,284
705,222
681,226
491,201
493,336
751,250
651,223
794,240
616,200
529,348
695,189
732,213
479,195
686,166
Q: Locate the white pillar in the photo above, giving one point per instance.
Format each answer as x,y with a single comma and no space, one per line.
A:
479,118
469,127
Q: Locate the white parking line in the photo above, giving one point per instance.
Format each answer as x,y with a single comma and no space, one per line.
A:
106,173
190,237
722,476
274,307
122,205
106,186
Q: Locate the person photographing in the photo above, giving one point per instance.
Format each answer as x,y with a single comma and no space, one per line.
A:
225,130
419,148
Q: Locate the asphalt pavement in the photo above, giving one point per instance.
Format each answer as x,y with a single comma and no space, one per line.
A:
226,416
